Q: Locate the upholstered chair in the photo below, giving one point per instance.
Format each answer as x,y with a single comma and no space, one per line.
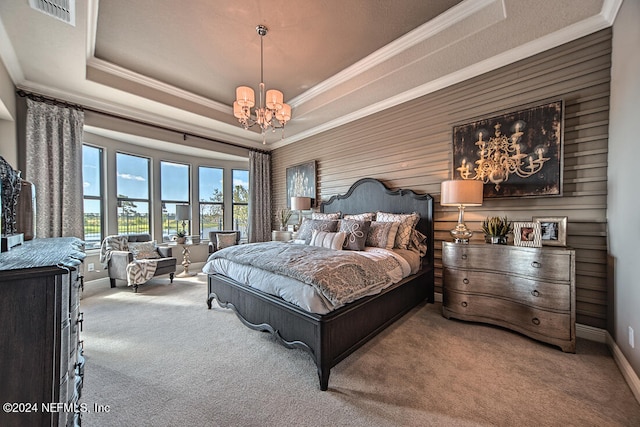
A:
223,238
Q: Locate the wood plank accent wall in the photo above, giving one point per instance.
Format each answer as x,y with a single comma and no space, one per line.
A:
410,146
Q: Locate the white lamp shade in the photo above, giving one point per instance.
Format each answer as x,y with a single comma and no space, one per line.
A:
237,111
245,97
467,192
183,213
300,203
284,114
274,99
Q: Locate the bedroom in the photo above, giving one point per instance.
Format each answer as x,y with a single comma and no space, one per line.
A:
419,159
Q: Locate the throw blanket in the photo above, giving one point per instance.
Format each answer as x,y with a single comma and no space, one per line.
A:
111,243
141,270
341,276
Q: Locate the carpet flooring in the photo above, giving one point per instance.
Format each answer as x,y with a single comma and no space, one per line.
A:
161,358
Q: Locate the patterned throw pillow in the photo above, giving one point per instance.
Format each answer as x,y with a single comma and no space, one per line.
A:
407,223
367,216
144,250
328,240
308,225
326,216
356,234
382,234
224,240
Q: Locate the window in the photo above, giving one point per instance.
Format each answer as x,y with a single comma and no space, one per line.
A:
211,200
132,183
93,196
240,200
174,190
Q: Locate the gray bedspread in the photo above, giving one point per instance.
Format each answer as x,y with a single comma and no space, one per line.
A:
341,276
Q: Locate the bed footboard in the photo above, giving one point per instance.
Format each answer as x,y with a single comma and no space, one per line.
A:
331,337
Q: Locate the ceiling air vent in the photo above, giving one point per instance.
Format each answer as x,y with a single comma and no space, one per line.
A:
64,10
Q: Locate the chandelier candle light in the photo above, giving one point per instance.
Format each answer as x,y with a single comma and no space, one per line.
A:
271,113
461,193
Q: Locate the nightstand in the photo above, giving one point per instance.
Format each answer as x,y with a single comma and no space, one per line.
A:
528,290
281,236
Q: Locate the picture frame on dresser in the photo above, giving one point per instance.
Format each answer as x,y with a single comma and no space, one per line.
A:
553,230
527,234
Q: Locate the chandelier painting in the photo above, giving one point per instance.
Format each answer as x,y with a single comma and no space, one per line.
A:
517,154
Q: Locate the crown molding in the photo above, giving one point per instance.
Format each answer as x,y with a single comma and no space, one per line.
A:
430,29
123,73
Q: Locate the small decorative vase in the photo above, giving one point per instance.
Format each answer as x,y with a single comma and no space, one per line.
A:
496,240
181,240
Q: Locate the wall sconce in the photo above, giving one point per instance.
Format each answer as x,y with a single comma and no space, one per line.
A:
300,204
461,193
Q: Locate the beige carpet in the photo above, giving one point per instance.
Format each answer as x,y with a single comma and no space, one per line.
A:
161,358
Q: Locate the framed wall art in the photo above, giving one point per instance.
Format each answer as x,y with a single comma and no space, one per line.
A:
553,230
301,182
527,234
515,154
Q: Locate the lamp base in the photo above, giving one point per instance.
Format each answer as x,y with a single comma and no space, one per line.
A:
461,234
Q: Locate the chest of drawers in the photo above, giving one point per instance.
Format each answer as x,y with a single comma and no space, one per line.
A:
528,290
41,361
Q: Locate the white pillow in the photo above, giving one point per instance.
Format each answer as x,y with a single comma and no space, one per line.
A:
407,223
328,240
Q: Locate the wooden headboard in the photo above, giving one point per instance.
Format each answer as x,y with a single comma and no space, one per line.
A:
371,195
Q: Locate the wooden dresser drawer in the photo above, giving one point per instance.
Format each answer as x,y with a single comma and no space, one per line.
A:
529,290
509,314
547,295
550,263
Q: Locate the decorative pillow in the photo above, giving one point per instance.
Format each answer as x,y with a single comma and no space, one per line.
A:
308,225
418,242
224,240
326,216
407,223
356,234
328,240
379,234
367,216
144,250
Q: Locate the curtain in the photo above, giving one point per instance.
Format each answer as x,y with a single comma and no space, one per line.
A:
259,197
54,166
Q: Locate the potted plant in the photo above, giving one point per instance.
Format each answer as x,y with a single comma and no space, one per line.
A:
496,230
284,215
181,237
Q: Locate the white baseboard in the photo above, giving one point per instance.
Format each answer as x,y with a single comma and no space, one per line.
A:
627,371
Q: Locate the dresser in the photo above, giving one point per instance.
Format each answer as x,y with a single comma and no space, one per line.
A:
41,365
528,290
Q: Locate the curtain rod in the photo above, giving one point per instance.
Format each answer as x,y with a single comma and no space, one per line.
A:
53,101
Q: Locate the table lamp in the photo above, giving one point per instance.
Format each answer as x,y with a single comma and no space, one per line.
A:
183,213
461,193
300,204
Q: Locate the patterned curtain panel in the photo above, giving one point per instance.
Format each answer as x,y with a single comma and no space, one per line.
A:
54,165
259,197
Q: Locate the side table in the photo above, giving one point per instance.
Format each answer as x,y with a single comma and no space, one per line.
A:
281,236
186,262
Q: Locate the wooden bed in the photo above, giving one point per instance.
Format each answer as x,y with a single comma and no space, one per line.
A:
329,338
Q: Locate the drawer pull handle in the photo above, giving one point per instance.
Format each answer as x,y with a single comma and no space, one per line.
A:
535,293
536,264
535,321
465,281
464,256
80,320
463,303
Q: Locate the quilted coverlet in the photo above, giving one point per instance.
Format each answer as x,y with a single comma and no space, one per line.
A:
341,276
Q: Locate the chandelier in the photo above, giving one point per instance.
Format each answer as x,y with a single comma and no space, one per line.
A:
501,157
271,112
